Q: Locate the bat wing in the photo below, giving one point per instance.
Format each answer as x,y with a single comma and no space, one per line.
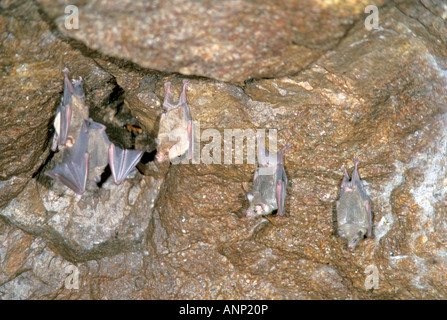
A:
188,118
68,88
190,139
368,212
263,153
281,184
98,144
122,161
64,111
74,167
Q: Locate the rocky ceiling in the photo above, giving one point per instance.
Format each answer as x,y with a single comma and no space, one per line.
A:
331,87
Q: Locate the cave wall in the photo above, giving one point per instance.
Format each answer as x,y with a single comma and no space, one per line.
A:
331,88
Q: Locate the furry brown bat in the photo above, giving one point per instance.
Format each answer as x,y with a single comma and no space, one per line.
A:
353,209
84,144
175,130
269,188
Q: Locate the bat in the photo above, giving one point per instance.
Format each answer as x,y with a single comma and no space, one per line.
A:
175,129
98,150
269,183
72,171
104,152
70,114
85,146
354,217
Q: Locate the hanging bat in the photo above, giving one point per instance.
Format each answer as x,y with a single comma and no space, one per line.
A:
70,114
269,184
353,209
86,149
175,130
72,171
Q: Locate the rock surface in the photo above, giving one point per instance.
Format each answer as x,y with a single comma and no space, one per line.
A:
32,59
223,40
178,232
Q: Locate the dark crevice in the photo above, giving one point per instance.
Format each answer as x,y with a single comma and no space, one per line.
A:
104,176
148,157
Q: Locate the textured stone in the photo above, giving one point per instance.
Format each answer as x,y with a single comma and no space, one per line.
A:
224,40
31,64
379,94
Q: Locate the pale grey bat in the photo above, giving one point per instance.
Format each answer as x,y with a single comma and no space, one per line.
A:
73,169
70,114
98,150
269,183
175,129
353,209
85,147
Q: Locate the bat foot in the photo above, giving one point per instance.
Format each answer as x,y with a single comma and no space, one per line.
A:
345,172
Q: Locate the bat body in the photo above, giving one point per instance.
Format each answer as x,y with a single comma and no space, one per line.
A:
175,129
353,209
86,149
98,150
269,184
73,169
70,114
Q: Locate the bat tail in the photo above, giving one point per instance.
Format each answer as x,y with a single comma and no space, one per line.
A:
122,161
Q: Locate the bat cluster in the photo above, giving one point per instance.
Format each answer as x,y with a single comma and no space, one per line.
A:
87,151
354,216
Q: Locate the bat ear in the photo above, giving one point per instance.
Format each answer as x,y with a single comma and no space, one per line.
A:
157,141
250,196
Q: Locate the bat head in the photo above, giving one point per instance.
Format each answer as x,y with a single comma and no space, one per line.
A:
352,233
257,208
260,209
166,151
162,156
